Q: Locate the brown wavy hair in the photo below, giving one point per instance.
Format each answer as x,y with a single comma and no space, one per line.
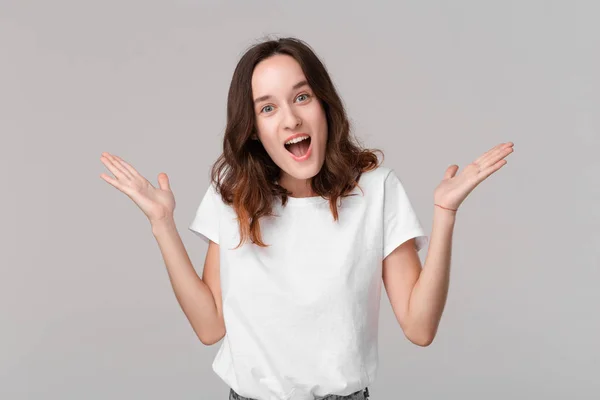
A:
244,174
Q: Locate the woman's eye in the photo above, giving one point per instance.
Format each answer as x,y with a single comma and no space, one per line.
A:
264,109
305,95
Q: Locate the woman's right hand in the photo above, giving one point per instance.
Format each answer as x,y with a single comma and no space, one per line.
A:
158,204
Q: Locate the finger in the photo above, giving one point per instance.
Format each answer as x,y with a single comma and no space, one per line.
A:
481,157
117,161
495,156
118,184
163,181
451,171
129,168
491,169
484,160
115,167
487,153
112,181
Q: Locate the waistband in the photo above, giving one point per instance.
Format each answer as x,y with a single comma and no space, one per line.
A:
234,396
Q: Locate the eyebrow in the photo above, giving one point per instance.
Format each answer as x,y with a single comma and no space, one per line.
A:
268,96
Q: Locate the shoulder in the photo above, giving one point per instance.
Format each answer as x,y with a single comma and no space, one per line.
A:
214,190
375,177
212,199
382,184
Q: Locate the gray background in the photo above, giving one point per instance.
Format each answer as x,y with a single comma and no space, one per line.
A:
87,310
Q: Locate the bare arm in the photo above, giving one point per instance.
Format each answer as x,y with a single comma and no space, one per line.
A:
418,294
200,299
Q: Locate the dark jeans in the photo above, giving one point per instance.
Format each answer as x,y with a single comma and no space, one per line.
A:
362,394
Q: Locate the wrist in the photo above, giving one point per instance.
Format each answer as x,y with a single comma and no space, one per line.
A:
445,208
162,225
444,214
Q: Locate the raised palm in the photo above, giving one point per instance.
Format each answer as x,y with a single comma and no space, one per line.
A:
454,189
157,203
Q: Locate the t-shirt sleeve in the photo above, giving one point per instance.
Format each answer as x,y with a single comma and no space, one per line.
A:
206,220
400,222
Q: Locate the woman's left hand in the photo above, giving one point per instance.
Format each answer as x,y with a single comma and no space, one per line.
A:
453,190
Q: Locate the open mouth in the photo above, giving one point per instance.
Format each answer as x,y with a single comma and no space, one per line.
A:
299,147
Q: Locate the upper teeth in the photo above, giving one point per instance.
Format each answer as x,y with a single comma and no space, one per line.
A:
296,140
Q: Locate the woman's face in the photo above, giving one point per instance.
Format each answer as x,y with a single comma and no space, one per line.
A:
285,106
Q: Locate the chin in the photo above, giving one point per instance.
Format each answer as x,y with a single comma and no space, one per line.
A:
302,175
302,172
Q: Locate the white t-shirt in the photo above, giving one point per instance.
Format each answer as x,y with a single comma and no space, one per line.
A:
302,315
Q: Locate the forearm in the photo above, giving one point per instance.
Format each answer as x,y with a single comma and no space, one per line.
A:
194,296
430,292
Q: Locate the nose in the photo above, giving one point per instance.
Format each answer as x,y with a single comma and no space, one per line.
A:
291,120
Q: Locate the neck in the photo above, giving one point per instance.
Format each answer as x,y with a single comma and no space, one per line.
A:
298,187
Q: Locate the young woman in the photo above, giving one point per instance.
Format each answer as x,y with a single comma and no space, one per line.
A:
303,227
